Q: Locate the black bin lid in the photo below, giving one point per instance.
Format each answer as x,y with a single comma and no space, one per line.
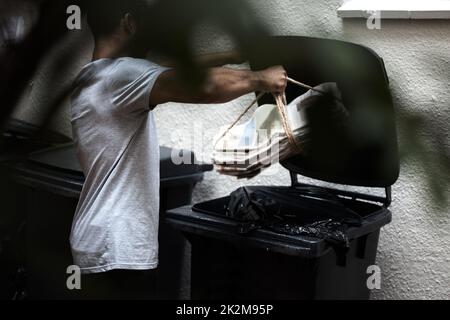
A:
63,158
18,138
22,130
58,171
365,152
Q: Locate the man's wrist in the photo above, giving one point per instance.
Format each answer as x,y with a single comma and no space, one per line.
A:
259,81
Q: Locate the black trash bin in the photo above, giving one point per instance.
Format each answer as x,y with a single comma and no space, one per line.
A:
17,140
264,264
52,181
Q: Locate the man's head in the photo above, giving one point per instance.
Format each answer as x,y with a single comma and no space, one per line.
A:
123,20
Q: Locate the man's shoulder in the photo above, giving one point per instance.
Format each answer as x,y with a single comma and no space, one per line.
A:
129,64
127,69
112,76
107,67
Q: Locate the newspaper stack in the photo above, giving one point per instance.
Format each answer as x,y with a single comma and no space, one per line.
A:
246,149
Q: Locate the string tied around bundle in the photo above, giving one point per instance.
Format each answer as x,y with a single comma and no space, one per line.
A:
281,102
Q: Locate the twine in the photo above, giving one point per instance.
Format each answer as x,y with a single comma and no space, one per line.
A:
281,102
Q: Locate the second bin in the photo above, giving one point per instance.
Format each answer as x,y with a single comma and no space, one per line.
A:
52,181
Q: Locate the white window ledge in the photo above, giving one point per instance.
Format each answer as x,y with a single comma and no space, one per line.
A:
396,9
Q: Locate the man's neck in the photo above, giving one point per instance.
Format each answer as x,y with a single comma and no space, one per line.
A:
110,47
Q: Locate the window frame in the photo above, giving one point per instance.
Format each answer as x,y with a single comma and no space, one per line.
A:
389,9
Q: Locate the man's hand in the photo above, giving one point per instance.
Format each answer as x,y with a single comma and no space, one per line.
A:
273,79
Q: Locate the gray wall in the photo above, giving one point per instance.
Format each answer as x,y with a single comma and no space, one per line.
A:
414,251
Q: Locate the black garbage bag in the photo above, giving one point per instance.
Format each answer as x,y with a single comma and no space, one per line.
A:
295,211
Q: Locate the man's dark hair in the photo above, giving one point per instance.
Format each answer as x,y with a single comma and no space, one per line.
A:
103,16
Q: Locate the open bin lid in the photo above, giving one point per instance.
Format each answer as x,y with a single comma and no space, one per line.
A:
366,153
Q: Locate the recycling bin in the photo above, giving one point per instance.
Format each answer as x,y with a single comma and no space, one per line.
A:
18,138
52,180
264,264
362,152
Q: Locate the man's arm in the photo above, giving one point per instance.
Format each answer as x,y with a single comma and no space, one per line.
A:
221,85
211,60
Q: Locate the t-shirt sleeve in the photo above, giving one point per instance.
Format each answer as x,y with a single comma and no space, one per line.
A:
130,83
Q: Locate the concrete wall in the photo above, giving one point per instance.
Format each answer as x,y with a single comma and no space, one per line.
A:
414,251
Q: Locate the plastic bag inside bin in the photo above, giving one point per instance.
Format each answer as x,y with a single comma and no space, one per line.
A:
303,211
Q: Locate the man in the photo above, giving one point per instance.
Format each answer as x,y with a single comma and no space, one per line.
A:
115,229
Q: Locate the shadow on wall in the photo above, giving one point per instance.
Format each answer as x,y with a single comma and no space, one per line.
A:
420,91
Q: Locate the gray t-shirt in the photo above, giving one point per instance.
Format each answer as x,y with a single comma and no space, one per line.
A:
116,220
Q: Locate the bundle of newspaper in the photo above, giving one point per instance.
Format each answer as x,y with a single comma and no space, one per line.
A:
246,149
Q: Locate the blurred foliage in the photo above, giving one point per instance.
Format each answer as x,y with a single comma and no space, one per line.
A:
170,27
426,144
